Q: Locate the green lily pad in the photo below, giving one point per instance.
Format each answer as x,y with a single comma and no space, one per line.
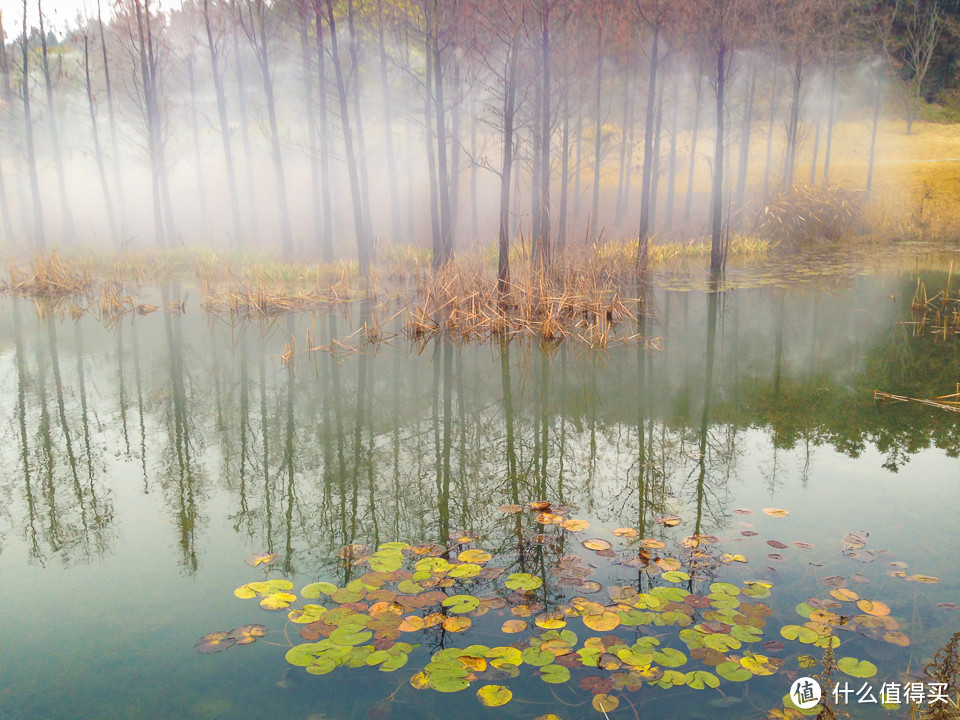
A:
857,668
523,582
461,603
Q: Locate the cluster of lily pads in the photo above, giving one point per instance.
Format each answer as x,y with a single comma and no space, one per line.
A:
678,614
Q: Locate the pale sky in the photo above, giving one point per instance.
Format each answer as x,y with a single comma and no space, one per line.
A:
57,14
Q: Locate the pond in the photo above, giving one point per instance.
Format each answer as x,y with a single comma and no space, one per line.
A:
715,507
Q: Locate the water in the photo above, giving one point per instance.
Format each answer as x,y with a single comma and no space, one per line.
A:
142,462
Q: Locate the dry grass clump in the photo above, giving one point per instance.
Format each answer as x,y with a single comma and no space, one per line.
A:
944,672
810,213
49,278
939,313
573,299
265,298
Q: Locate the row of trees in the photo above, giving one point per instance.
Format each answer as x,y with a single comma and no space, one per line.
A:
536,105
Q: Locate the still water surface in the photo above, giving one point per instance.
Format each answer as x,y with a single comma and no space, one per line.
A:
141,463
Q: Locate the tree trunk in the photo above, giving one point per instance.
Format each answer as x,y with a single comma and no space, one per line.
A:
358,118
97,151
618,215
363,246
474,210
388,131
643,233
579,163
831,120
717,249
816,151
68,228
594,219
564,170
121,194
542,254
745,129
238,236
443,177
774,98
688,207
435,228
509,107
258,37
245,138
326,237
197,156
657,137
307,68
672,170
793,127
873,134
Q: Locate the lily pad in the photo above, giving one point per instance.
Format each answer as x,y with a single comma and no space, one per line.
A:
214,642
494,695
857,668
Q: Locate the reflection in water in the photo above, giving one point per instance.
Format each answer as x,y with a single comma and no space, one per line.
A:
332,448
173,444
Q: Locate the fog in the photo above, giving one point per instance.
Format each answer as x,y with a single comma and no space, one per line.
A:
399,136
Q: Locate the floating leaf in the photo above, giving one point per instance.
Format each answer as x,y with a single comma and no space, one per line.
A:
315,590
799,632
214,642
758,664
277,601
668,520
523,581
596,544
550,621
652,543
605,703
456,624
350,635
844,594
776,512
923,578
573,525
602,622
514,626
474,555
857,668
537,657
510,509
733,671
307,614
699,679
873,607
668,657
777,544
261,558
625,532
461,603
554,674
494,695
246,634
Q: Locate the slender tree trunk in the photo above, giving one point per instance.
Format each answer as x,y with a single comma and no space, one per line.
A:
121,194
197,155
745,142
474,210
873,134
579,163
245,137
535,167
564,170
618,215
326,237
435,228
509,107
97,151
688,207
793,128
598,139
258,37
774,102
394,188
149,120
831,120
68,228
358,118
657,137
363,243
717,249
542,253
455,144
154,116
672,170
446,248
643,234
311,112
816,152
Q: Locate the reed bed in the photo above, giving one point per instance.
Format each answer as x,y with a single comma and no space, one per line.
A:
49,277
576,299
